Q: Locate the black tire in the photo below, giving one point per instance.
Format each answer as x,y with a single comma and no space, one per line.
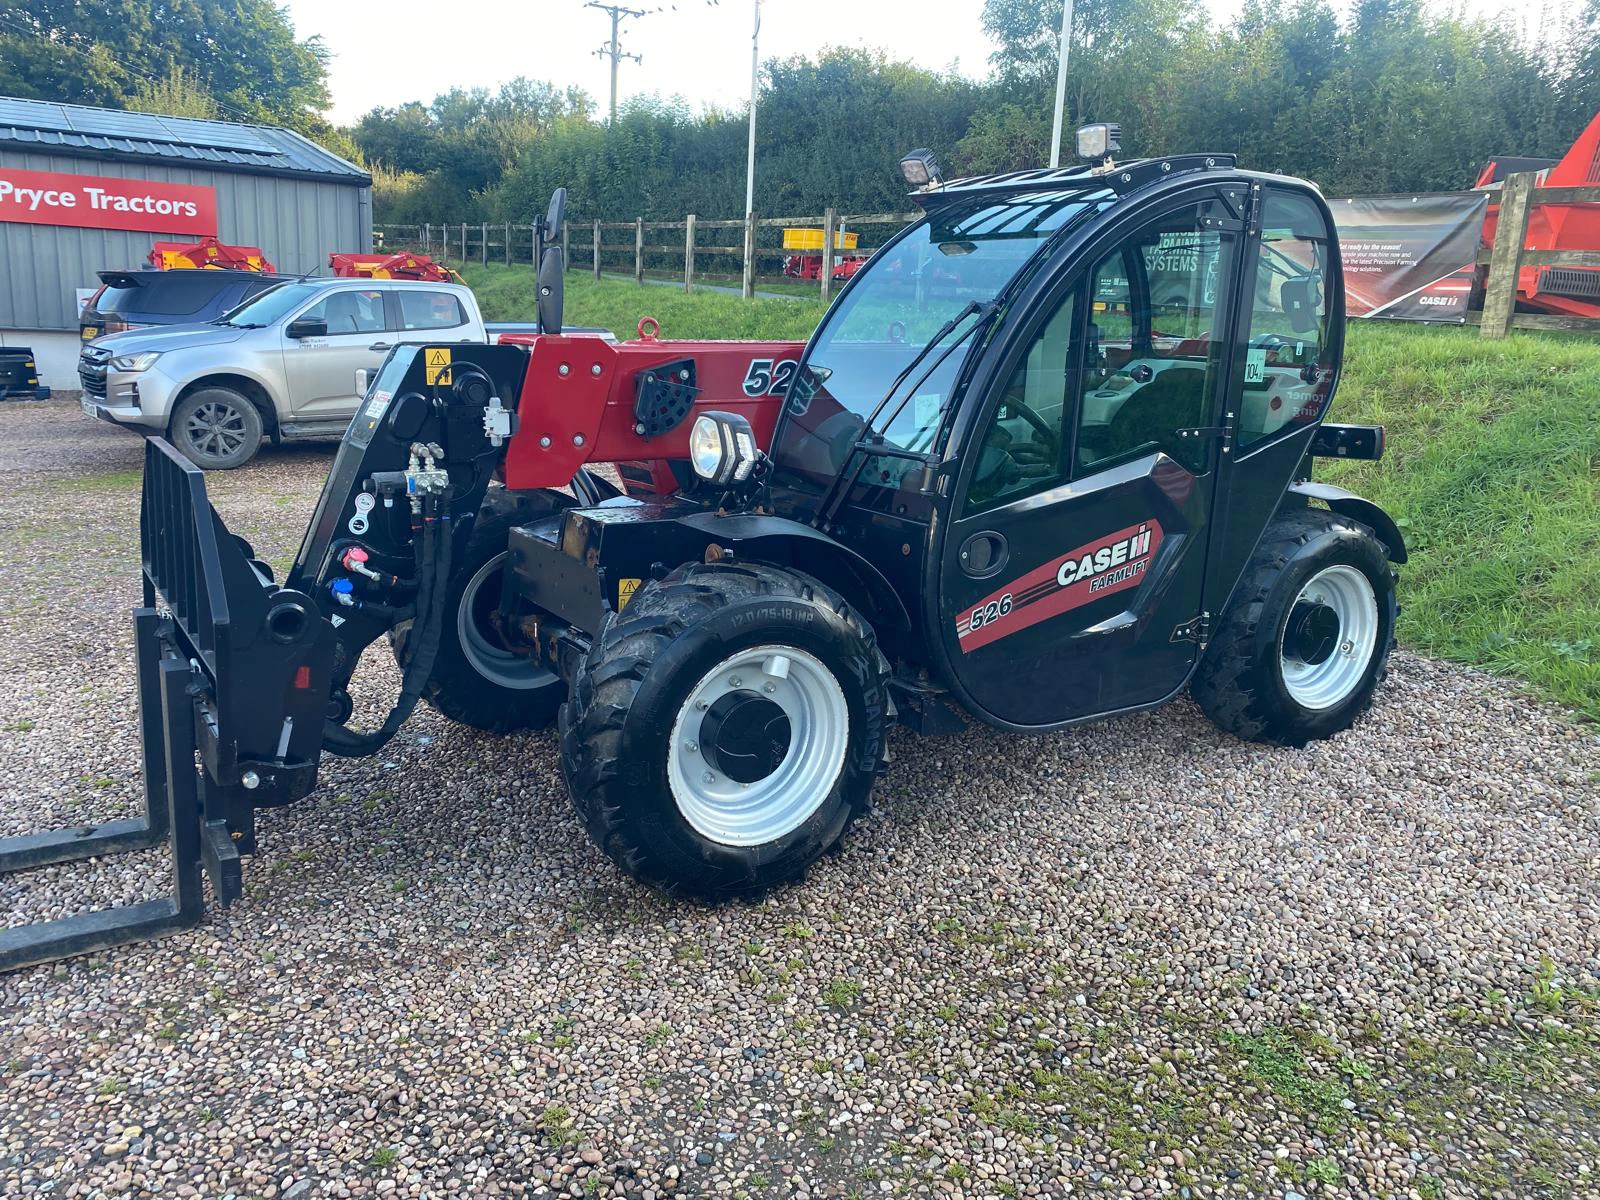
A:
1240,682
643,671
475,681
216,428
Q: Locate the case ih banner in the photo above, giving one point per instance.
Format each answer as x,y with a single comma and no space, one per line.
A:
1410,258
102,202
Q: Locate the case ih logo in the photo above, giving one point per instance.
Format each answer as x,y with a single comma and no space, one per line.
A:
99,202
1098,568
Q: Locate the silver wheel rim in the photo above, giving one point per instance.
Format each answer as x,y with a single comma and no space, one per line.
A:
482,646
215,428
1323,684
724,810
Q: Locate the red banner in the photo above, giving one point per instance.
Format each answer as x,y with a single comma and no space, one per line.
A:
102,202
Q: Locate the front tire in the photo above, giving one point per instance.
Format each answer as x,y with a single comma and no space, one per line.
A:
216,428
726,728
1305,641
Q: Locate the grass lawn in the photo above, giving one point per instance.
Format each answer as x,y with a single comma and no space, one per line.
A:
1492,470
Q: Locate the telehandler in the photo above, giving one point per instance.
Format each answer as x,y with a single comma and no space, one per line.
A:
1046,459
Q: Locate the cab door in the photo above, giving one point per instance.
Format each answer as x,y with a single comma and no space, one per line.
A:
1074,566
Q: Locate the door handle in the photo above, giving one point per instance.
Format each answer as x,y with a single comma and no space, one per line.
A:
379,346
983,554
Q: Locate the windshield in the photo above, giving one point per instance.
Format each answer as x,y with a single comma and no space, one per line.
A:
962,253
271,305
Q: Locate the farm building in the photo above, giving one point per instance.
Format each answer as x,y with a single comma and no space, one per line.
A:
90,189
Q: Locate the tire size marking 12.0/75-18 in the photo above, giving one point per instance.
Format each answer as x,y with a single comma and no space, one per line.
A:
767,378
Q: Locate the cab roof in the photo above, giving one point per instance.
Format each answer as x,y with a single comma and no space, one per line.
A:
1121,178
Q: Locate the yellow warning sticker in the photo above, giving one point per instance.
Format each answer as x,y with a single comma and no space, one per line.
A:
625,590
437,366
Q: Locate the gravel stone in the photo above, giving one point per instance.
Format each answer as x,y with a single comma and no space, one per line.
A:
1136,958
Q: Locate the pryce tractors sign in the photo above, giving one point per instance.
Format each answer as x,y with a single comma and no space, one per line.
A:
103,202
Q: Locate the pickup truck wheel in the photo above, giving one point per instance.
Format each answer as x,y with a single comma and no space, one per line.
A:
478,679
216,428
726,728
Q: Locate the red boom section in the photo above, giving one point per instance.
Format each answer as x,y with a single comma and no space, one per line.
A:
578,396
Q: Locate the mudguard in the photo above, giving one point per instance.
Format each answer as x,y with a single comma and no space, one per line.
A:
1358,508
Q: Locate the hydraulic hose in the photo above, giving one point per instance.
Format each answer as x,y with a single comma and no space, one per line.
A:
433,573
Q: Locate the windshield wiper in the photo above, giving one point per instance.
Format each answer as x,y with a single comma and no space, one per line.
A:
871,444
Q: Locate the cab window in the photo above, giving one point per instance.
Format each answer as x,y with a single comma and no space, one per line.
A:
1284,389
349,312
1023,446
1150,354
430,310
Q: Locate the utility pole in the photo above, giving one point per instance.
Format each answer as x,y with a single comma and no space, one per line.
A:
755,79
613,49
1061,84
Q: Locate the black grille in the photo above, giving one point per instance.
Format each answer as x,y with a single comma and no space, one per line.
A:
1570,281
92,372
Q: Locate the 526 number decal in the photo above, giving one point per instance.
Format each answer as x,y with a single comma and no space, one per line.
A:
767,378
991,611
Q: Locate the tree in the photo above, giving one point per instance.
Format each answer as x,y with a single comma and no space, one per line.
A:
178,95
243,54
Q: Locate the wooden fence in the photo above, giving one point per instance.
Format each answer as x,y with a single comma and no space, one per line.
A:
1519,195
744,245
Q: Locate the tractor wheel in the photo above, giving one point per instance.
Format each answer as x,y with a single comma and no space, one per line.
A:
1306,639
476,679
726,728
216,428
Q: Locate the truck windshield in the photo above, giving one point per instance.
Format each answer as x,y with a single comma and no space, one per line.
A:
966,251
270,306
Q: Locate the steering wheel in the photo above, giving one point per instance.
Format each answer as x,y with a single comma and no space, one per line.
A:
1051,440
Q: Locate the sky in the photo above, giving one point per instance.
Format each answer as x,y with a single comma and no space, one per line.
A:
697,49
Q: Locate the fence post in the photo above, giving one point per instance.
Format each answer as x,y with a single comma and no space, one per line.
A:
483,250
444,243
427,238
508,243
566,247
688,253
597,248
748,291
1505,264
638,249
830,224
463,241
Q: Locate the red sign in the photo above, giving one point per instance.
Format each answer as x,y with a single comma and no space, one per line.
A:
101,202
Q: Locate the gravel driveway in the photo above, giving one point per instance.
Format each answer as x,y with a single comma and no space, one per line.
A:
1138,958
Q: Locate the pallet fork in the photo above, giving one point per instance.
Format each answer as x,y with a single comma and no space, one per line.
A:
211,755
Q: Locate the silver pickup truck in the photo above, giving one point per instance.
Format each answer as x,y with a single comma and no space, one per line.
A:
291,363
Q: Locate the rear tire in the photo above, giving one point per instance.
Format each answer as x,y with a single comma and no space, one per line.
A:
476,679
1305,640
726,728
216,428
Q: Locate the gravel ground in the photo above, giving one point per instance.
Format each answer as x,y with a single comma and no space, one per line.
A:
1134,959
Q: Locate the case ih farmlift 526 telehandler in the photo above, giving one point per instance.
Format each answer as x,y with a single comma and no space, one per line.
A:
1047,458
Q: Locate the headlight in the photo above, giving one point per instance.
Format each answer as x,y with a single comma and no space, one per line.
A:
722,448
135,362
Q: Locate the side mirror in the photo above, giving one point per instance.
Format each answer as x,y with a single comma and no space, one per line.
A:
306,327
555,215
551,284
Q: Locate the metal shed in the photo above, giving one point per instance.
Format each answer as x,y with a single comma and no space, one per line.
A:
270,187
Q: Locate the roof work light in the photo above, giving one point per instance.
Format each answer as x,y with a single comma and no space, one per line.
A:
921,170
1099,141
